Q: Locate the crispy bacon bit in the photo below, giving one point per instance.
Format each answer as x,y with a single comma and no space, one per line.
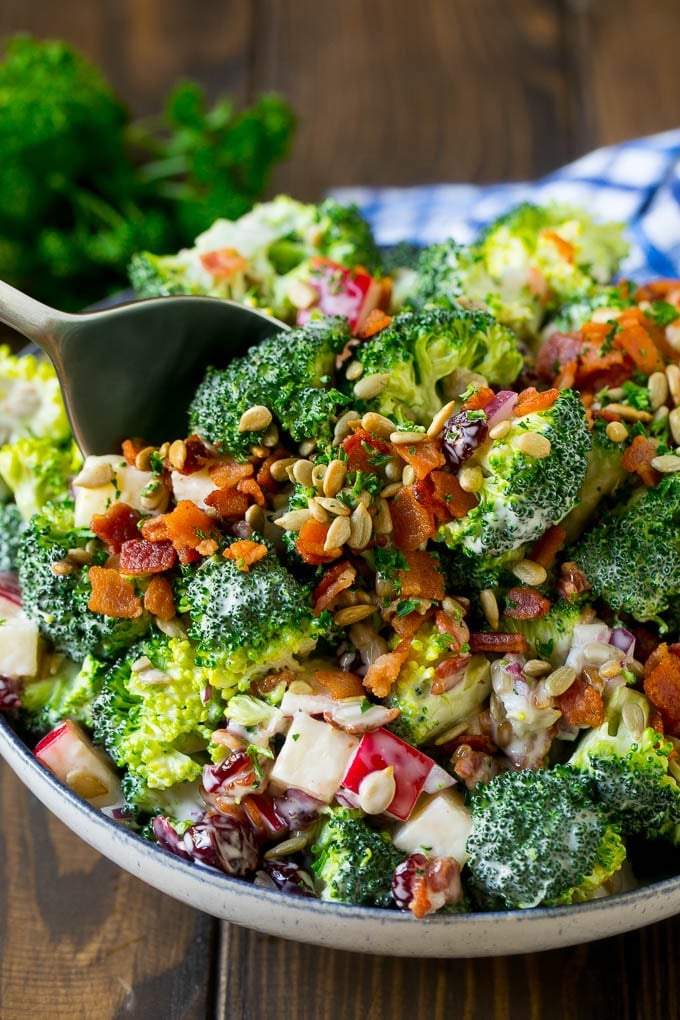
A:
425,884
335,580
582,705
422,577
526,604
375,322
449,672
558,351
197,455
131,447
382,673
158,598
530,400
361,447
638,458
408,626
457,630
229,503
572,581
473,766
245,553
310,543
423,457
498,641
249,487
263,685
115,527
442,494
113,595
566,377
339,684
187,526
139,556
226,474
264,476
412,523
478,400
548,545
662,687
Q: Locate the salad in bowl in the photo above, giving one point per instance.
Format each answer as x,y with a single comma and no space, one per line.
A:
394,623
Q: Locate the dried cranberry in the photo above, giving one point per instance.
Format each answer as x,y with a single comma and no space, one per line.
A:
462,435
220,841
403,880
289,877
9,696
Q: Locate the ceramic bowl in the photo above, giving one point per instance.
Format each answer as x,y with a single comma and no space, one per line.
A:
337,925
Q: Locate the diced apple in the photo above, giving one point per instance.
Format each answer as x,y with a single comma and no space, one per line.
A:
105,480
439,827
352,293
194,487
19,644
377,751
313,759
70,755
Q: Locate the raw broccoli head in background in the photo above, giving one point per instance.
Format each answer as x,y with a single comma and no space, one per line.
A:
346,237
630,765
58,602
439,276
523,495
539,837
575,313
39,471
354,862
152,715
632,559
248,623
290,373
421,352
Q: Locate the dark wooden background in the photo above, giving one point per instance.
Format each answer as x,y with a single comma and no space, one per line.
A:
387,93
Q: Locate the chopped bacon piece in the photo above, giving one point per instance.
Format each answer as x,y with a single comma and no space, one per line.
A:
339,683
478,400
636,340
451,500
638,458
572,581
422,578
139,556
131,447
448,672
474,767
245,553
197,455
335,580
250,487
458,630
559,350
412,523
408,626
310,543
382,673
548,545
226,474
361,446
264,477
223,263
187,526
375,322
582,705
158,598
526,604
662,687
655,656
530,401
423,457
115,527
498,641
566,377
229,503
112,594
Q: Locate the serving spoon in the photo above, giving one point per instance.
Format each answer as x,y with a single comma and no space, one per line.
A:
131,370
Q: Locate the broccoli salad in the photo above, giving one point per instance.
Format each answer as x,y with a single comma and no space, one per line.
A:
395,623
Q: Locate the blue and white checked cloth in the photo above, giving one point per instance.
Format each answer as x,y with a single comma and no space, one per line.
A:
636,182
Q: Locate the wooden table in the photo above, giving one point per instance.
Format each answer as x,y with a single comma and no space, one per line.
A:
387,93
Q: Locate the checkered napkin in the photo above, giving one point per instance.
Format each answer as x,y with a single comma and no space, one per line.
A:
637,182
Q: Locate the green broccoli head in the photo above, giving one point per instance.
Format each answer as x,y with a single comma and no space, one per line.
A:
290,374
58,601
346,237
67,693
354,862
159,276
439,276
532,478
539,837
248,623
12,527
629,762
632,558
425,714
156,711
605,474
420,354
38,471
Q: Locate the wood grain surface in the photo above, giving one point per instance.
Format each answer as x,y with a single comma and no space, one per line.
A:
387,93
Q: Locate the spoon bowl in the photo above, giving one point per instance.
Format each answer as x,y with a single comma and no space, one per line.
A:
132,370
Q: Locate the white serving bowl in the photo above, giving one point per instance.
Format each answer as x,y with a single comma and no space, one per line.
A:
339,926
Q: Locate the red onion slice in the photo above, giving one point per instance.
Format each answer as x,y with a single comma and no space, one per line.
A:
500,408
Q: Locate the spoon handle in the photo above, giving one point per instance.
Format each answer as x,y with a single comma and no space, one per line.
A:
35,321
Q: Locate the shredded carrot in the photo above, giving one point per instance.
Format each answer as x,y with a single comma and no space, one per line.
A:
565,249
548,545
530,400
112,594
479,399
158,598
375,322
423,457
245,553
413,523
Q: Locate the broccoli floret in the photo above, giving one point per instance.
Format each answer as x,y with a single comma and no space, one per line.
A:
346,237
248,623
39,471
421,353
523,494
12,527
159,276
58,601
68,693
574,314
440,274
539,837
30,399
354,862
629,762
290,373
550,637
632,558
181,803
152,715
425,715
604,475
